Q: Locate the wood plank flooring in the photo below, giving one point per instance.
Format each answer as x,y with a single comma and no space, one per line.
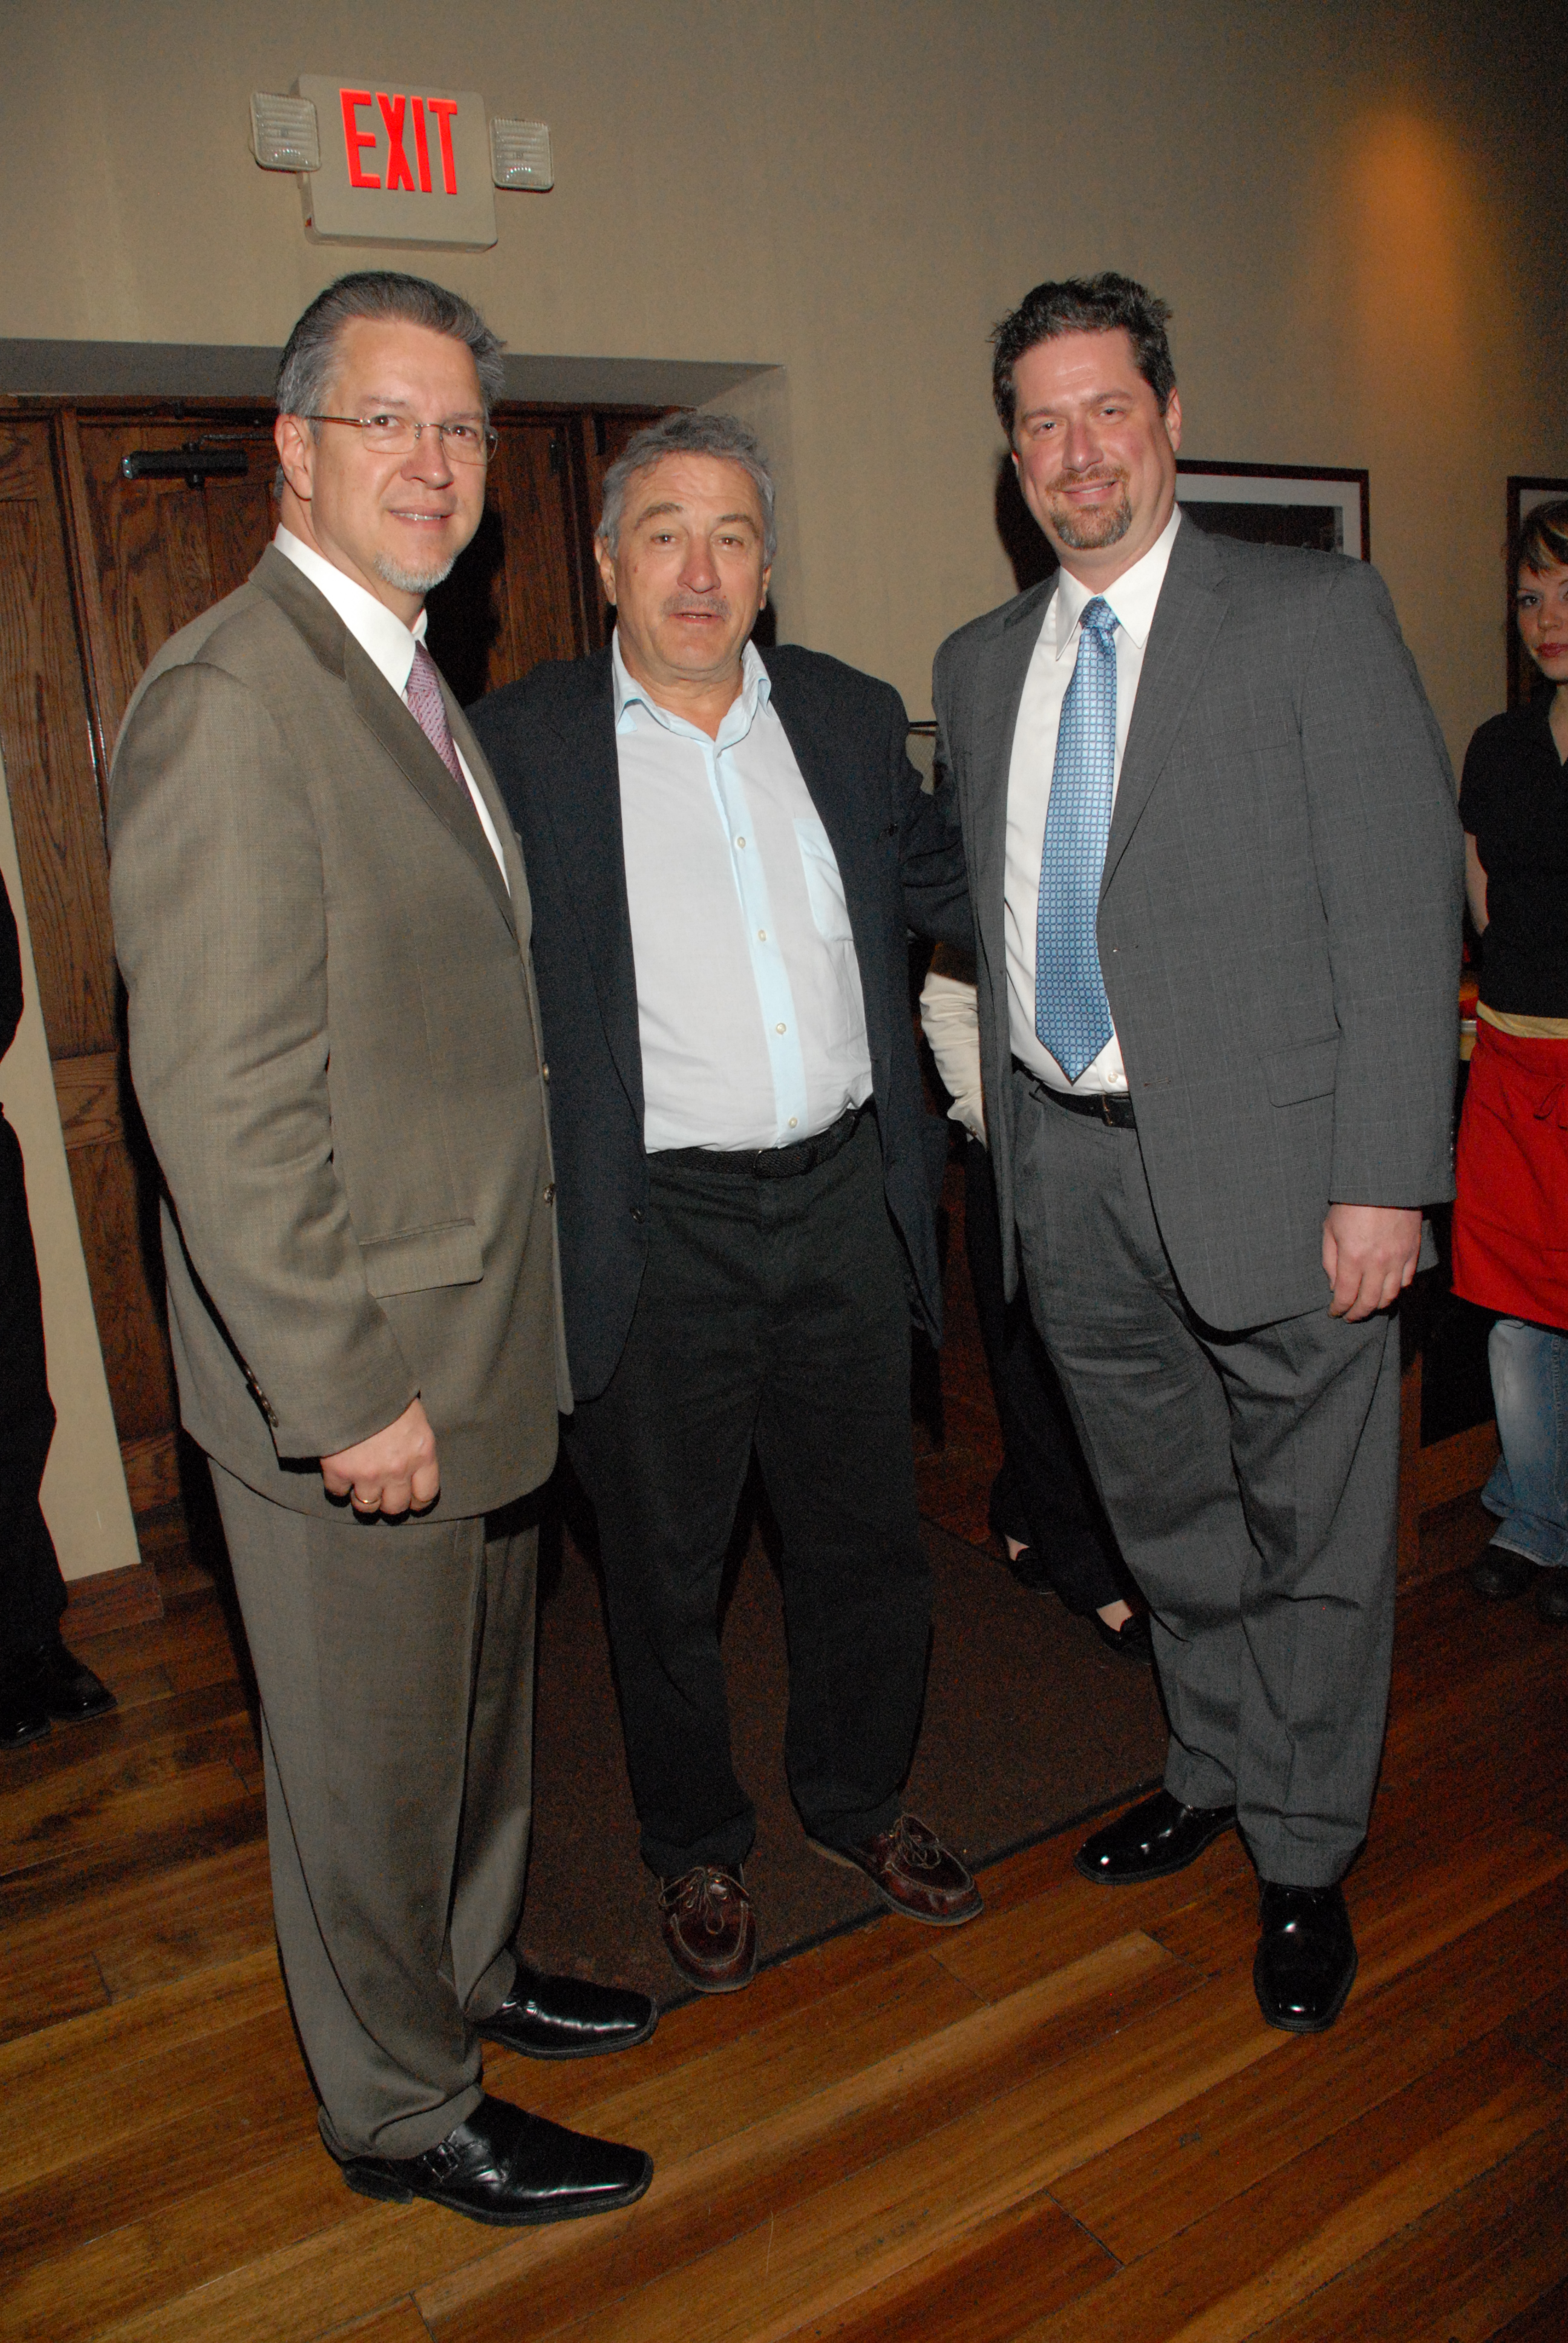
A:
1065,2122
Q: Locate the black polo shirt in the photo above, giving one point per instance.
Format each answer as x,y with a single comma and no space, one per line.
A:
1515,801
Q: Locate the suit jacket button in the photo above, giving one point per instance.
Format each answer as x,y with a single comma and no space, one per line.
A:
544,1073
550,1194
636,1212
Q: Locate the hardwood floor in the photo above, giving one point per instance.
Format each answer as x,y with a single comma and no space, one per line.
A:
1066,2121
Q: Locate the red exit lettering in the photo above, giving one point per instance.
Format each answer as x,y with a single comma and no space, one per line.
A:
395,109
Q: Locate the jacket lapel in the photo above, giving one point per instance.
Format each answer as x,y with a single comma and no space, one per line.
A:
997,692
393,725
517,906
580,790
1190,613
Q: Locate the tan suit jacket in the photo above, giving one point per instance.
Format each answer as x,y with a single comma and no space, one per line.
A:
335,1043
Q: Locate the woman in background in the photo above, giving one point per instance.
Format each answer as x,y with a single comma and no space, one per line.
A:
1511,1214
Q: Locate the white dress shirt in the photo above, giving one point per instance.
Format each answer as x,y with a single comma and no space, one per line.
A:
385,640
750,1007
1133,598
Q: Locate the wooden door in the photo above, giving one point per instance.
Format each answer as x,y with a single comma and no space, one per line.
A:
49,733
96,571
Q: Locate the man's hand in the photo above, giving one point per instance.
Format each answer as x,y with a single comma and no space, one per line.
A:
394,1472
1369,1253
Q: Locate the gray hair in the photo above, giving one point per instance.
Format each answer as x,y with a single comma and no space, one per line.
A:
304,377
689,433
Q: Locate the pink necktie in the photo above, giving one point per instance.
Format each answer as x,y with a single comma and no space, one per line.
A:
423,694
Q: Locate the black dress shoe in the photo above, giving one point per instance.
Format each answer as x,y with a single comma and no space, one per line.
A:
1500,1575
23,1712
1306,1961
510,2169
1132,1639
71,1692
1152,1840
1552,1596
561,2017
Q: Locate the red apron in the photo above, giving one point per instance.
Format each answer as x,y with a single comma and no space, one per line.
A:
1510,1211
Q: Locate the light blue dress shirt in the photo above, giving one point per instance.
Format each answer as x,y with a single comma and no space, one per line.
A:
750,1007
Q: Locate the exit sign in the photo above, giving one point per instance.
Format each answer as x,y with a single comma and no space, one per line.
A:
404,165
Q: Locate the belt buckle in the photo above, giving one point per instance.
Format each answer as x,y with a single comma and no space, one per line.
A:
1106,1115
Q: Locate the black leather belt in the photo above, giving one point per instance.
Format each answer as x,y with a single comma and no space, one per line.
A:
1111,1107
766,1162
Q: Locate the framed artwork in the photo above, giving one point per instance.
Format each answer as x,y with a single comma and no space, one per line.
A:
1525,491
1323,506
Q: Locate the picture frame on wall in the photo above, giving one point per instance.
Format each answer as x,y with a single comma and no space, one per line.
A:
1525,491
1326,508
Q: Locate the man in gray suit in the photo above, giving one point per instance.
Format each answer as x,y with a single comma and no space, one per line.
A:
1215,871
322,916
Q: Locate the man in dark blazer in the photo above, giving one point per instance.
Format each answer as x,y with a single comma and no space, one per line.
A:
323,922
712,840
1215,870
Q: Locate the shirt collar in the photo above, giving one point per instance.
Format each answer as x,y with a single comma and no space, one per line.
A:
756,691
1132,597
378,631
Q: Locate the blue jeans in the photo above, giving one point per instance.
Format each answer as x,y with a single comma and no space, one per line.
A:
1529,1488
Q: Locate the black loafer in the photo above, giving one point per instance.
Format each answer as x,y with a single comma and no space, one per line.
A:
510,2169
561,2017
1552,1596
1306,1962
1152,1840
1132,1639
71,1692
1500,1575
23,1713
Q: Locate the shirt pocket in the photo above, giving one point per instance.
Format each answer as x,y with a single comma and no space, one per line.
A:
824,886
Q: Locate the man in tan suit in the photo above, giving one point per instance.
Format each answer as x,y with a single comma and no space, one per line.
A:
323,921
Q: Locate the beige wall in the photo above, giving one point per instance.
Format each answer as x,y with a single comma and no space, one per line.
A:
84,1496
1340,200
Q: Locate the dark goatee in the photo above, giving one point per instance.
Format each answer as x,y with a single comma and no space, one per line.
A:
1087,532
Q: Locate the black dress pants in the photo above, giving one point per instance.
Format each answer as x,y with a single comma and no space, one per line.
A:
773,1314
1043,1495
32,1591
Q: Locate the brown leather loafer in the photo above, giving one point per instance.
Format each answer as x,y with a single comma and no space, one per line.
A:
709,1928
913,1873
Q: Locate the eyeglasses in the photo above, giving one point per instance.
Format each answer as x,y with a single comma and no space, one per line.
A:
398,435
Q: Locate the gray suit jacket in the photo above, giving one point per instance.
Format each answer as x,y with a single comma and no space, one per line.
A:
335,1044
1279,917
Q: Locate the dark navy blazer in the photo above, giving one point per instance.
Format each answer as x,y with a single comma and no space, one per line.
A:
550,742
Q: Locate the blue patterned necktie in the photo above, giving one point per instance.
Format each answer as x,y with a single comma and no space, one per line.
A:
1071,1014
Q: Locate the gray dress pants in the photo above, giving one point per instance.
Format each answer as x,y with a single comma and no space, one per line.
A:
1252,1480
396,1665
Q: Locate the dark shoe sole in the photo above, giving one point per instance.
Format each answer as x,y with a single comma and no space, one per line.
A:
927,1919
712,1984
1305,2024
589,2050
367,2182
25,1740
1156,1870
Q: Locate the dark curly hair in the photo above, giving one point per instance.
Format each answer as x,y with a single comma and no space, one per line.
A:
1084,305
